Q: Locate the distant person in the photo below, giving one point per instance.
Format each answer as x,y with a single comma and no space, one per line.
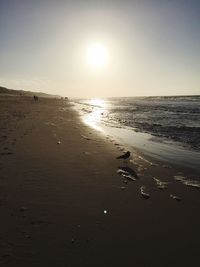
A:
35,98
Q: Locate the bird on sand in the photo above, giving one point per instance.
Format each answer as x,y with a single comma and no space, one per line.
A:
125,155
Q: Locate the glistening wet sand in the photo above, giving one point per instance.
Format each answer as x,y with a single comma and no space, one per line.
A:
63,201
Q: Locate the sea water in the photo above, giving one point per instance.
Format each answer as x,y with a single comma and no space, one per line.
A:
167,128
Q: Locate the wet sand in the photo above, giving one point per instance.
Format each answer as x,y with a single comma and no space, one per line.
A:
65,200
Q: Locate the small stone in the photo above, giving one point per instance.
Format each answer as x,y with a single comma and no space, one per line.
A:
122,187
175,197
87,153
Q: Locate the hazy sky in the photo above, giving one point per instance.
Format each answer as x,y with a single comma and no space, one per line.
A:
153,46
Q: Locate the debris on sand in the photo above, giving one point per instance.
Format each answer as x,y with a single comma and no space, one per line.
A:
175,197
192,183
160,185
87,153
147,161
125,155
144,194
51,124
126,174
188,182
85,137
123,187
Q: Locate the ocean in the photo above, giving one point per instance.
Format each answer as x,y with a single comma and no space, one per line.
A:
167,127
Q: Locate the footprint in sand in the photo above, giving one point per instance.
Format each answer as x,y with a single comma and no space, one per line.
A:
6,153
6,252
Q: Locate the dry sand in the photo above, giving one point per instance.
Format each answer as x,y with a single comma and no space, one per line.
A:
62,202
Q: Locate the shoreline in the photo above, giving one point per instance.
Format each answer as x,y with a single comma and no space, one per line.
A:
158,150
64,201
153,147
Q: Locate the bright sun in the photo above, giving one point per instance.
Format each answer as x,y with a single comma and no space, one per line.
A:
97,55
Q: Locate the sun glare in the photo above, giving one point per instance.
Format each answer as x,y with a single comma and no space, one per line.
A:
97,55
94,118
97,102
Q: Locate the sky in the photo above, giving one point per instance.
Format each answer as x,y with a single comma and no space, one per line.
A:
152,46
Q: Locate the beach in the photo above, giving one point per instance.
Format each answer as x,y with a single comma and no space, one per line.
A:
67,201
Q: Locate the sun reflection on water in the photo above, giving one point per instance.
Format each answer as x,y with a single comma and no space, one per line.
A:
94,118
